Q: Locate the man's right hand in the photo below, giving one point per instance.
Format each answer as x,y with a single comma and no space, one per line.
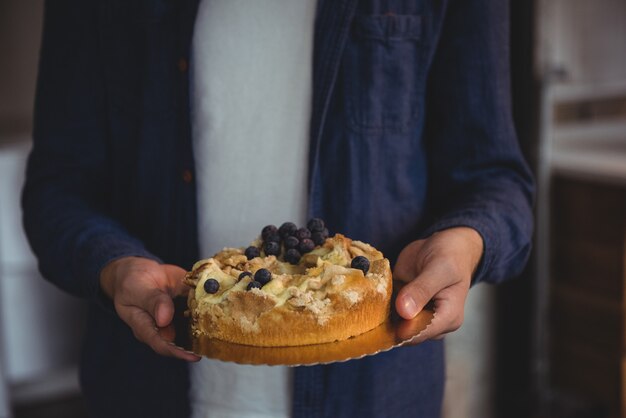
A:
142,292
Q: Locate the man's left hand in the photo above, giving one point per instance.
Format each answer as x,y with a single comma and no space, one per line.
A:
438,268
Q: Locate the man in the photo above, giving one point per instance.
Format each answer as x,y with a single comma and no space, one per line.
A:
411,148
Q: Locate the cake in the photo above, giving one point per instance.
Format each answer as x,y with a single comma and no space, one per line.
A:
319,290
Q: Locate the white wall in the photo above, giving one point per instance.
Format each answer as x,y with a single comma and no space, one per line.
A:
40,326
584,38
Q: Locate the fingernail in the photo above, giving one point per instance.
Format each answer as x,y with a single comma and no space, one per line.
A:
409,306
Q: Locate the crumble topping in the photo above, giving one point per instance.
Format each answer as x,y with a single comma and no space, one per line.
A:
305,286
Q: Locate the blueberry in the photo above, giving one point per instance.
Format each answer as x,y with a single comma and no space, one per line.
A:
268,230
287,229
361,263
211,286
302,233
271,248
272,237
263,276
292,256
306,245
244,274
254,285
252,252
315,225
318,238
291,242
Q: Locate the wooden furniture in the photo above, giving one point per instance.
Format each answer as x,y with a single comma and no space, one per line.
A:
587,326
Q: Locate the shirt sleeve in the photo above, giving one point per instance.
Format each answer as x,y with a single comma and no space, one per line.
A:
479,176
67,186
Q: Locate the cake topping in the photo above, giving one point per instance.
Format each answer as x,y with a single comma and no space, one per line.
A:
278,241
318,238
352,296
287,229
254,285
268,231
325,270
211,286
291,242
360,262
252,252
292,256
302,233
273,237
306,245
315,225
271,248
263,276
338,280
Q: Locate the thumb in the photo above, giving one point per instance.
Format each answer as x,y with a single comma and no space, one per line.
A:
159,301
417,293
159,304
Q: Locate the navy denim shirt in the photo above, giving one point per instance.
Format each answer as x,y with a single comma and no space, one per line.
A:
411,133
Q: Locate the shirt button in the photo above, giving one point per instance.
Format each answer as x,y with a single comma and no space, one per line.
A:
187,176
182,65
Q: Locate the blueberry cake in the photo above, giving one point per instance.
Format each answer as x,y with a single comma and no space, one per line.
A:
292,286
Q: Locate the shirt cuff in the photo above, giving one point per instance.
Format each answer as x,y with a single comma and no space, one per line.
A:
480,225
95,257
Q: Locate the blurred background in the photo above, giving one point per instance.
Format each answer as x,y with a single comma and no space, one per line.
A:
548,344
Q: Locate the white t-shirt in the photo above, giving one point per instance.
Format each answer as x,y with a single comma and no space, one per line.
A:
251,91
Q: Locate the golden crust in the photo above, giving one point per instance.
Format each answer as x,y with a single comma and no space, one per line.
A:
314,307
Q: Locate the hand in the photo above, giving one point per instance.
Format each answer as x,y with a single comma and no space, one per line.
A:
440,269
142,292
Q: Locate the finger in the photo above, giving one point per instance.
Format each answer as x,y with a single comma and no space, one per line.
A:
169,349
155,296
167,333
154,301
449,313
144,329
418,292
162,308
175,276
416,328
434,331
